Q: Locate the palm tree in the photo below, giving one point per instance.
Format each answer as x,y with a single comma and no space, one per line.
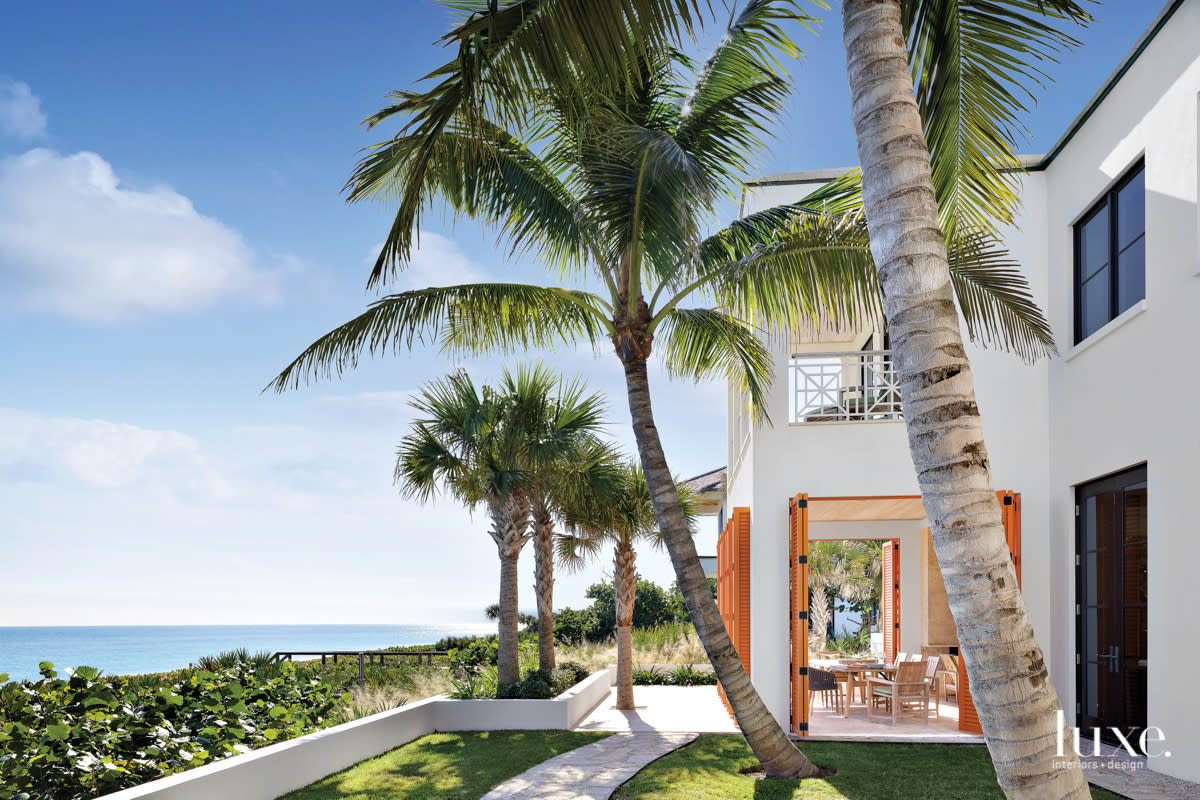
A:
623,513
481,446
837,569
905,145
567,127
559,424
580,472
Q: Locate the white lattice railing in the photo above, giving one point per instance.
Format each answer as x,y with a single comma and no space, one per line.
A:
857,386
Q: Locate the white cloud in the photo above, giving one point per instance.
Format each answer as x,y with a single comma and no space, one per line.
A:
21,114
74,241
99,453
436,261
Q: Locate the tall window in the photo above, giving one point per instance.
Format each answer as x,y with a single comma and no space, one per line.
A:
1110,254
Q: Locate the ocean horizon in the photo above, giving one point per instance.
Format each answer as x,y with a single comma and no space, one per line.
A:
137,649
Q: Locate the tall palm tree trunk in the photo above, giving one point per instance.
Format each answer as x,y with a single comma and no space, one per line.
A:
779,757
819,614
1009,681
543,585
625,594
510,524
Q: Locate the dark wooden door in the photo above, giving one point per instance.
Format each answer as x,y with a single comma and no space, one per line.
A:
1111,584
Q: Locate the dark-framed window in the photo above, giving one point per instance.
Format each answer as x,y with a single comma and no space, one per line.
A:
1110,254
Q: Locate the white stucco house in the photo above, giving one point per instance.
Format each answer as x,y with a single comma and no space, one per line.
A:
1097,450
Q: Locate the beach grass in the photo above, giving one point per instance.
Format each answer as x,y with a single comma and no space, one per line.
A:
723,767
445,766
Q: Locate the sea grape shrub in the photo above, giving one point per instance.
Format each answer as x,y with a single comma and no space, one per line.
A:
683,675
88,735
477,653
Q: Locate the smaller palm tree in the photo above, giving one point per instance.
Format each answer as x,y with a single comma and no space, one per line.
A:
623,513
837,569
483,446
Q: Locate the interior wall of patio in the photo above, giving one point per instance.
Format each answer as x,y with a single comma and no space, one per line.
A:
908,531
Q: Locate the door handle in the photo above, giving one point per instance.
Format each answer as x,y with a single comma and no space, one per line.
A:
1114,653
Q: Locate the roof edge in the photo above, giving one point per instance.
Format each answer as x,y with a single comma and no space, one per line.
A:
1113,79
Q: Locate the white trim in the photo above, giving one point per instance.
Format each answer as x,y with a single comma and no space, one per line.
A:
1115,323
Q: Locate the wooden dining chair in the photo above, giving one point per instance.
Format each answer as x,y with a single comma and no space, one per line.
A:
903,693
949,677
931,679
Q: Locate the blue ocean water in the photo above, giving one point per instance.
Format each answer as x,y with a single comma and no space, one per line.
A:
133,649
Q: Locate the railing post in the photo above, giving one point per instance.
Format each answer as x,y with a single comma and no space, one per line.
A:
362,673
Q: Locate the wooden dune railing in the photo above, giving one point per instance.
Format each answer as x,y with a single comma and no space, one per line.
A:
364,657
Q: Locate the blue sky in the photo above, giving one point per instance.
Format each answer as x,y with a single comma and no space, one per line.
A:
172,234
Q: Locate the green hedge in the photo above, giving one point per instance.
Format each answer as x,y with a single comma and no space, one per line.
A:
88,735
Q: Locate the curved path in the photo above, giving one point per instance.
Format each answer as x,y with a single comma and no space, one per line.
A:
591,772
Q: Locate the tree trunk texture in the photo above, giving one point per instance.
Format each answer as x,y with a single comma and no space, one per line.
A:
1009,681
778,756
543,585
819,616
625,594
510,531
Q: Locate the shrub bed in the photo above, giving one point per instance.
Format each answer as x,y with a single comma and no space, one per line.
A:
683,675
88,735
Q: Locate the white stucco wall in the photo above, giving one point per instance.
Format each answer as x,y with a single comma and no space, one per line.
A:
1123,396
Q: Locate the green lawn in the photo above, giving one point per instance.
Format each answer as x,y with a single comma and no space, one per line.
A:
715,767
445,766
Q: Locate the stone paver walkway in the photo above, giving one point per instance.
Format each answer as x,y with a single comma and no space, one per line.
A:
1117,771
591,772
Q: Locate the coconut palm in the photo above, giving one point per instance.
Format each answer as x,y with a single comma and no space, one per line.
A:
482,446
614,172
927,173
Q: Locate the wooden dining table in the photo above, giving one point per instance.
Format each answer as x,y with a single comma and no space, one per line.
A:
856,674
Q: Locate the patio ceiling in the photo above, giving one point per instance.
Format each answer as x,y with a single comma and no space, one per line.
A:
864,509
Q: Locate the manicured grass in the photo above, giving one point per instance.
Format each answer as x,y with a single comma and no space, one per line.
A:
712,769
445,766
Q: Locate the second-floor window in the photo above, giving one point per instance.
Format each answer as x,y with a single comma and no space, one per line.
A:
1110,254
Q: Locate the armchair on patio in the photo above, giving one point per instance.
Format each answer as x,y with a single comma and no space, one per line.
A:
931,681
909,689
949,676
826,683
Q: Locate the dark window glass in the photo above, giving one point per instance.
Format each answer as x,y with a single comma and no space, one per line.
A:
1131,210
1110,255
1094,304
1093,239
1131,275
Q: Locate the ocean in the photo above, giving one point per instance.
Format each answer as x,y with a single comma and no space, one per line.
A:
133,649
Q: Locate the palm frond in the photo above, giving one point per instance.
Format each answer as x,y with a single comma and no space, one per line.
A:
993,294
974,69
740,90
502,56
487,174
482,317
792,267
702,343
995,298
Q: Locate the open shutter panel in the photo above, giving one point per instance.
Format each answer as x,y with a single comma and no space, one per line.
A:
798,572
890,622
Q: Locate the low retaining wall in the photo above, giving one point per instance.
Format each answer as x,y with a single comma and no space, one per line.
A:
269,772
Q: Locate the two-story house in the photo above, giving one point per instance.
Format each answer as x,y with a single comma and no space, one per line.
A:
1096,450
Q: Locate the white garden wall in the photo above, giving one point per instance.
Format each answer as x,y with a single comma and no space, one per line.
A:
272,771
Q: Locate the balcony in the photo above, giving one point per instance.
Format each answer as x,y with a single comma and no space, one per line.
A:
858,386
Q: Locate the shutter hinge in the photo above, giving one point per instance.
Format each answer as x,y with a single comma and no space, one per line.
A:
803,671
801,559
802,726
1008,501
802,615
802,502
